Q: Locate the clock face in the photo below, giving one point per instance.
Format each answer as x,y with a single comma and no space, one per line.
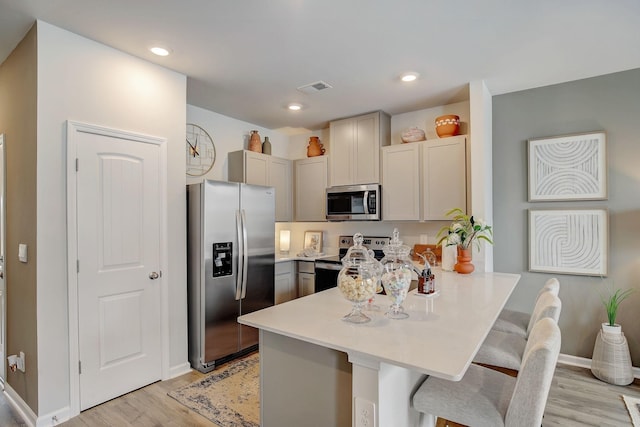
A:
200,151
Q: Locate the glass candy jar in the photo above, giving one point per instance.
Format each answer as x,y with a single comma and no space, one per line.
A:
357,279
396,275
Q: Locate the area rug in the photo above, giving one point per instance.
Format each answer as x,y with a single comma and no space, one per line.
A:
228,396
633,406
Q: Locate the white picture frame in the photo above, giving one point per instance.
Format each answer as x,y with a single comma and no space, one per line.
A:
570,167
313,241
569,241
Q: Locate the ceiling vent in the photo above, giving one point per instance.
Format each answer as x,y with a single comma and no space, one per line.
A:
315,87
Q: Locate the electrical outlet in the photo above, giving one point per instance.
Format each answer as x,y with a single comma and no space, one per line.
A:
365,413
21,361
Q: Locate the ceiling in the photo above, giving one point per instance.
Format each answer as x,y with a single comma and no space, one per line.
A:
245,58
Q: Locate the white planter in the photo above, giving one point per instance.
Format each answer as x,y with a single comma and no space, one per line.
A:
608,329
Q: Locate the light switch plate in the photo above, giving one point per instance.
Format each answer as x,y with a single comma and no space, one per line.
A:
22,252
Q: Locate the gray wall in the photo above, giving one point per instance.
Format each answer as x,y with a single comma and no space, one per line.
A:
610,103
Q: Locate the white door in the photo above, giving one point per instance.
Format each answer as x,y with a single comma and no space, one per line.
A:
3,315
119,295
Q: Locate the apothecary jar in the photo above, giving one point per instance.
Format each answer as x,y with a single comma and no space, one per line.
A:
397,269
357,279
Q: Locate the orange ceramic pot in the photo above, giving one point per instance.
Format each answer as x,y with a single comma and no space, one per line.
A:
315,147
464,266
448,125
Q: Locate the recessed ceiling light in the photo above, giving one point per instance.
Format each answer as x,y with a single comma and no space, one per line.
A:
409,77
160,51
294,107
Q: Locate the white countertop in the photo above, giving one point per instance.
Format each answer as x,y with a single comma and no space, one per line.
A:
440,337
294,257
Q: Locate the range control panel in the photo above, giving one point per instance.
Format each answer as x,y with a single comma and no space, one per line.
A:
374,243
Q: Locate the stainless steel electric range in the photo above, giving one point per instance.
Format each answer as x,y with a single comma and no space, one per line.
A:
327,269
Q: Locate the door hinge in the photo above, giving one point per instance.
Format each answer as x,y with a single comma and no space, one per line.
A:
77,162
79,367
77,266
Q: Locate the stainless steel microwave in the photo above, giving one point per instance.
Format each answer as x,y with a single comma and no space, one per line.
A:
354,203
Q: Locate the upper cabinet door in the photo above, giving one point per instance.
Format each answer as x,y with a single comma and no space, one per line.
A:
401,182
444,176
262,169
341,151
366,161
280,179
256,168
354,155
311,184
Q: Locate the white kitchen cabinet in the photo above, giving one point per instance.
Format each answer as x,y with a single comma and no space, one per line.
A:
306,278
444,176
310,188
424,180
262,169
354,155
401,182
285,284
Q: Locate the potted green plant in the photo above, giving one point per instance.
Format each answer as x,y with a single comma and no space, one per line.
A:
611,360
463,232
611,304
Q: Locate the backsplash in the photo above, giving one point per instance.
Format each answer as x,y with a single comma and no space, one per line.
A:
410,232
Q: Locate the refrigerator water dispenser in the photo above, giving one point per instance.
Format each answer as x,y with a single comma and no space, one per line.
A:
222,257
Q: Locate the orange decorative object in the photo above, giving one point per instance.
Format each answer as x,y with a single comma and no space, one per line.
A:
255,144
464,266
448,125
315,147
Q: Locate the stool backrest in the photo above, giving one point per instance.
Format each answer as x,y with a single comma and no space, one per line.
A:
552,285
536,373
547,305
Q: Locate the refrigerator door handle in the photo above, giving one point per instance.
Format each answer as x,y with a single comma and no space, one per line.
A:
239,226
245,255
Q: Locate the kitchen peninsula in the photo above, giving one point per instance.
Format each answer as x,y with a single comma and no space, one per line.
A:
318,370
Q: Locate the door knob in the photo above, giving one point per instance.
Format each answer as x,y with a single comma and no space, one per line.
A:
153,275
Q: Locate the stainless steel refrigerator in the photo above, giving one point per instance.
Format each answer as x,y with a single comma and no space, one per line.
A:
230,229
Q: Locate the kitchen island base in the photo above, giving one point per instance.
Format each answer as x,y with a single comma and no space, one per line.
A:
307,384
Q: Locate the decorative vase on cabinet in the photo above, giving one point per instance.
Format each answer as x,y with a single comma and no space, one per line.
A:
315,147
266,146
447,125
255,144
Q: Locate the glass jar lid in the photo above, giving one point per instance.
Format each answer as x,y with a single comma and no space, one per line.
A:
395,248
358,254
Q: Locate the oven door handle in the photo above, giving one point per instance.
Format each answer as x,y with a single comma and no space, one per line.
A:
327,266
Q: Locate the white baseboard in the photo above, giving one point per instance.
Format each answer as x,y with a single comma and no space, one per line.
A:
54,418
583,362
14,399
176,371
28,416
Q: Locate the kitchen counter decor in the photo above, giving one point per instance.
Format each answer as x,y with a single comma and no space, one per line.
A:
357,280
396,275
464,232
447,125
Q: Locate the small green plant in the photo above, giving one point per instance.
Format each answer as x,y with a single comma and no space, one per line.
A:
612,302
464,230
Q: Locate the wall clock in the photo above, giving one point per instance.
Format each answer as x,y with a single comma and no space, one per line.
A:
200,151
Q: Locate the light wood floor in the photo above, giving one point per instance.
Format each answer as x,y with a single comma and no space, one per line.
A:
576,399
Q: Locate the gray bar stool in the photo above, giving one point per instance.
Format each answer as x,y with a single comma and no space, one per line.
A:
517,322
487,398
505,350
